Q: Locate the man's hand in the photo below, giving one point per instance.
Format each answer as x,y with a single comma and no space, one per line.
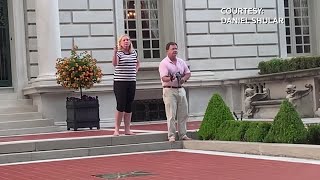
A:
182,81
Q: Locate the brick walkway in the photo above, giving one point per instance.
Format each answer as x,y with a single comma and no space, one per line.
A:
164,166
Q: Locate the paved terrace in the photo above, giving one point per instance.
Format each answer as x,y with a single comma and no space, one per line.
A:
167,164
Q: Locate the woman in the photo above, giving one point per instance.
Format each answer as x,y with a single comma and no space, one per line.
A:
126,63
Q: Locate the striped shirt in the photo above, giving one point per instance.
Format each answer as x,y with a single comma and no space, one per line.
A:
126,70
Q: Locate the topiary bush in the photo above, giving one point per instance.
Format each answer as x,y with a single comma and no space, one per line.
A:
257,131
232,130
313,134
287,126
216,113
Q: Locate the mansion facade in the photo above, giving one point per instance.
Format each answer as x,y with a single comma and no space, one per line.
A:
34,33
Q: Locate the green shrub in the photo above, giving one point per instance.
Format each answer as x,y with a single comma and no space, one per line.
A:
287,126
232,130
277,65
257,131
216,113
314,134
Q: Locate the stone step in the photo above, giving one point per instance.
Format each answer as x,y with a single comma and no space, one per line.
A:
29,131
26,124
20,116
23,151
15,103
20,109
8,96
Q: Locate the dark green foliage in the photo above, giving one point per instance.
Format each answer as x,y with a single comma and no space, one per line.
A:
216,113
257,131
278,65
232,130
287,126
314,134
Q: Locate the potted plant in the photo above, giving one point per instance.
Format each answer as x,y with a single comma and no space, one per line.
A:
76,72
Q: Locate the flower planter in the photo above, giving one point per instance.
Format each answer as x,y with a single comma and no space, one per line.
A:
83,113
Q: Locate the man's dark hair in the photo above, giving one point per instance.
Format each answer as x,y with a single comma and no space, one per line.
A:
169,44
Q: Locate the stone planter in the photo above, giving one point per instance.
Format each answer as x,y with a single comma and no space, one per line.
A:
82,113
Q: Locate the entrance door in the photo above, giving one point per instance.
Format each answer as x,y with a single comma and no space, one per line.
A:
5,68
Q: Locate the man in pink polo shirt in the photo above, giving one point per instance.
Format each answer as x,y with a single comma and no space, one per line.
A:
174,72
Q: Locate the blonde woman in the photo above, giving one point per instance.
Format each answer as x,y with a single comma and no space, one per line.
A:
126,63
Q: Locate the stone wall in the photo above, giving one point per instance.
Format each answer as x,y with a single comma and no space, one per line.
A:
89,23
213,46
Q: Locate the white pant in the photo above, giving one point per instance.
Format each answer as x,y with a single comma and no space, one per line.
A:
176,105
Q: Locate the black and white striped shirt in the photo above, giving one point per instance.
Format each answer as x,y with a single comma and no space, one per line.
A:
126,69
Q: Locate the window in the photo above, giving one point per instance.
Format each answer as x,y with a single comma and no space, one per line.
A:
297,24
142,24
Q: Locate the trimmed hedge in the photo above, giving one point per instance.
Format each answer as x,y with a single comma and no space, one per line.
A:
287,126
232,130
216,113
257,131
314,134
278,65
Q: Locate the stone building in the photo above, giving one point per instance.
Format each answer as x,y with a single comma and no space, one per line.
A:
35,32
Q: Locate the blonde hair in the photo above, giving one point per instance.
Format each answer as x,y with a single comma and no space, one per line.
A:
131,49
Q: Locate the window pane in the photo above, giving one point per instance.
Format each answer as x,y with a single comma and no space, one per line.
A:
286,12
287,21
305,30
296,3
131,15
147,54
305,21
133,34
156,53
287,31
298,30
154,25
146,44
288,39
145,24
289,49
145,34
144,4
155,43
153,4
131,5
298,40
299,49
304,3
304,12
144,14
153,14
306,40
134,43
132,24
297,21
155,34
286,3
307,49
297,12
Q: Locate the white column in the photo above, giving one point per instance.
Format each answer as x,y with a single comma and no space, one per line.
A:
48,36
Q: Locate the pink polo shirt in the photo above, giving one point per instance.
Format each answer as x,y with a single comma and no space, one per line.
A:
167,67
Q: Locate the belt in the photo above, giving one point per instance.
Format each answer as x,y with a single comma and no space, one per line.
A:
172,87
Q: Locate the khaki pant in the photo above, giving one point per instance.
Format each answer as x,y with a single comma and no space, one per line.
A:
176,105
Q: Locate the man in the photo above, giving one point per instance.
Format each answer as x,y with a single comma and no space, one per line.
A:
174,72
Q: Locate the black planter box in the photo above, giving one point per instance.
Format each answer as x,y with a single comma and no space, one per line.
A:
83,113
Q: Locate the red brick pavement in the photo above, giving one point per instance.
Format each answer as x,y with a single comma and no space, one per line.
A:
164,166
